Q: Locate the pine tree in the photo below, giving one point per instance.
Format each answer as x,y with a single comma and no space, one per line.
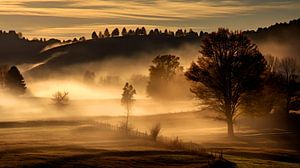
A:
124,31
94,35
106,33
115,32
14,81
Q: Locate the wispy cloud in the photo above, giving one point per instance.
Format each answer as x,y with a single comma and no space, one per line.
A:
31,15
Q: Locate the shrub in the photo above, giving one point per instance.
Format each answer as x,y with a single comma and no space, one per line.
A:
154,131
60,98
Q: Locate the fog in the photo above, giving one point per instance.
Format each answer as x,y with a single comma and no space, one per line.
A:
101,96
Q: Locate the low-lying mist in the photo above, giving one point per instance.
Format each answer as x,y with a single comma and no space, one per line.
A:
101,95
85,99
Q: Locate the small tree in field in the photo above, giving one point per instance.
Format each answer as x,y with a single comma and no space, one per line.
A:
229,67
154,131
60,98
127,100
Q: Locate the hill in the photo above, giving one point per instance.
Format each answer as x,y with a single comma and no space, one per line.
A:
280,39
15,49
128,47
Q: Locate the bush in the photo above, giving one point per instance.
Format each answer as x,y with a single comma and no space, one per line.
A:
60,98
154,131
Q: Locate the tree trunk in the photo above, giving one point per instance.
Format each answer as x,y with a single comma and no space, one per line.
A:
288,101
230,130
229,113
127,116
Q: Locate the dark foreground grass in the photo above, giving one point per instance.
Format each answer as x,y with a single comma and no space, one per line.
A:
83,144
127,159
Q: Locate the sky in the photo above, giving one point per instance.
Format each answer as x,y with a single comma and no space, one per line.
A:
66,19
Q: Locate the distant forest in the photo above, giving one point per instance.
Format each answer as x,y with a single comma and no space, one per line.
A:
16,49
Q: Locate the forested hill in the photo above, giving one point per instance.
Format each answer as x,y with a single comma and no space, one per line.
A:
102,48
14,49
278,32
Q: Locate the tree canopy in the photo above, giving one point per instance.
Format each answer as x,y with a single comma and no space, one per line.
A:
162,74
230,66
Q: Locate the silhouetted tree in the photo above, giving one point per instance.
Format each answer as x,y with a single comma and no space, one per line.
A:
179,33
229,67
131,33
100,35
60,98
287,72
124,31
191,33
156,32
154,131
3,71
127,100
115,32
14,81
201,34
82,38
161,75
265,100
143,31
138,31
106,33
89,77
171,33
185,32
151,33
94,35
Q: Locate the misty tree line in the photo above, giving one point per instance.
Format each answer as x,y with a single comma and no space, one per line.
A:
274,29
143,32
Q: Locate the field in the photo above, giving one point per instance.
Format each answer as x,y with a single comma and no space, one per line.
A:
79,144
78,141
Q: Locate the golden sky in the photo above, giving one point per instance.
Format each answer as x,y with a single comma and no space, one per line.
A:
66,19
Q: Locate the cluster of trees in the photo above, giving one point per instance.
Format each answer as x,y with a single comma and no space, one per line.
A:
166,78
12,80
143,32
232,77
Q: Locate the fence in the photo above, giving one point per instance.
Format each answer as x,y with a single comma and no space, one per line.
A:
171,143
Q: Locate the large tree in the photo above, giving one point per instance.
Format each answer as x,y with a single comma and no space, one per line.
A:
14,81
230,66
162,75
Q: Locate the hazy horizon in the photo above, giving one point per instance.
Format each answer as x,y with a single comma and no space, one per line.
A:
75,18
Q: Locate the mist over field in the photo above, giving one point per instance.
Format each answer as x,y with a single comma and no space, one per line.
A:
148,98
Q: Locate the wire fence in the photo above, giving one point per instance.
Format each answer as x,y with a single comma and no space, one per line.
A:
167,142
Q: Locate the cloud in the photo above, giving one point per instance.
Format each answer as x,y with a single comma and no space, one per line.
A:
46,15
